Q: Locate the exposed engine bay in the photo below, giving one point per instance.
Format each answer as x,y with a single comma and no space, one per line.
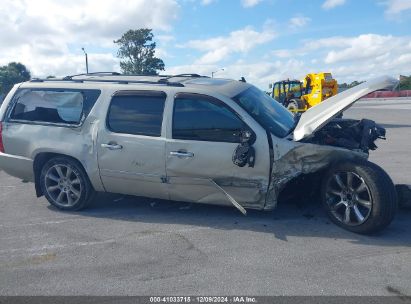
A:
350,134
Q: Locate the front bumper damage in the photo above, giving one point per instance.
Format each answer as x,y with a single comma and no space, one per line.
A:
340,139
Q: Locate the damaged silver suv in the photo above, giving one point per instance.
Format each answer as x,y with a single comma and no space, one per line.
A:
192,138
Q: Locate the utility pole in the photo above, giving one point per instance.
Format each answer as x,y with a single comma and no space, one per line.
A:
212,73
86,59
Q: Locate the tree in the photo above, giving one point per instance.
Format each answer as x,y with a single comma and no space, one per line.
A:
405,82
137,51
345,86
11,74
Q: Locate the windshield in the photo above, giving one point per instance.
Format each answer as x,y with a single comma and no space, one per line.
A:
294,90
266,111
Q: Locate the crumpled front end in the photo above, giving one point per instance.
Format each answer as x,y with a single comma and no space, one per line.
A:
303,158
351,134
340,139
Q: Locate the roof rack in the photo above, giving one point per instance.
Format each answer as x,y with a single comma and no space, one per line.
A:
119,74
168,83
92,74
162,81
190,75
182,75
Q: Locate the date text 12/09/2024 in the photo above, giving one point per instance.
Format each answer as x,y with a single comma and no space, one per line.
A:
203,299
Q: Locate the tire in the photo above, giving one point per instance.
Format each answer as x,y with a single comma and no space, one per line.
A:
65,184
404,196
365,190
295,105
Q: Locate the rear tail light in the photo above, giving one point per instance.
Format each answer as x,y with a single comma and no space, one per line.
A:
1,138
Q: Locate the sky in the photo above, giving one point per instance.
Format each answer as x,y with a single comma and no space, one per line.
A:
261,40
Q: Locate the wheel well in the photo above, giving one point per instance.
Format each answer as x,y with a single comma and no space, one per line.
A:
302,187
39,162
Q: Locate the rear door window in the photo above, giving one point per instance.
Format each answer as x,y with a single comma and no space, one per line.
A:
53,105
138,113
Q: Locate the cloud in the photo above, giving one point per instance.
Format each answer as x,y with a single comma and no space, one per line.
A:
257,73
165,39
207,2
299,21
282,53
330,4
348,58
361,57
162,53
334,41
396,7
47,35
250,3
241,41
363,47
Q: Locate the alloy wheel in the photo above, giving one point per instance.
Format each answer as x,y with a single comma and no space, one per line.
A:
349,198
63,185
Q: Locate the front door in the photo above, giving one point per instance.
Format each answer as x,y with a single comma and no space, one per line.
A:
205,133
131,147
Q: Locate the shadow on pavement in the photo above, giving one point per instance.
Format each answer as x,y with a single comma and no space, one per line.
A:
394,126
292,218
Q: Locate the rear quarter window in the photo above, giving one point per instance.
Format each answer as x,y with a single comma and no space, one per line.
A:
61,106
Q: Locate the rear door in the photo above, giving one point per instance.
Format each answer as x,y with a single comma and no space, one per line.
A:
131,145
205,133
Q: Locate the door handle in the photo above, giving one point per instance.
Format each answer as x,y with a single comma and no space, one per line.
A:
112,146
182,154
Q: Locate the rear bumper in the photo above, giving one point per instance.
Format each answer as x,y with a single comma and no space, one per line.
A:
17,166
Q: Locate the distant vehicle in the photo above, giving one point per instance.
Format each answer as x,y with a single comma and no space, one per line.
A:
192,138
299,96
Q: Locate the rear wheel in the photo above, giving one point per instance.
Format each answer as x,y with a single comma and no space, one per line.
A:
65,184
359,196
296,105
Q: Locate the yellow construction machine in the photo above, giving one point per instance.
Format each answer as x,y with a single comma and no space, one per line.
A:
299,96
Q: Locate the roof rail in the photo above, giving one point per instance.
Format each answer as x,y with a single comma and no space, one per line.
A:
143,74
168,83
182,75
164,80
92,74
119,74
189,75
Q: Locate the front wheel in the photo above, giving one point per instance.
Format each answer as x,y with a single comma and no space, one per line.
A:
296,106
359,196
65,184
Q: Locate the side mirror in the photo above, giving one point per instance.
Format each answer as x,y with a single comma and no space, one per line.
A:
270,86
244,154
247,136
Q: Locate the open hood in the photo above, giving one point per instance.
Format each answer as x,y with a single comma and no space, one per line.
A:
317,116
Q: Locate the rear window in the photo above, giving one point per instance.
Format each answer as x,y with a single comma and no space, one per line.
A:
138,114
64,106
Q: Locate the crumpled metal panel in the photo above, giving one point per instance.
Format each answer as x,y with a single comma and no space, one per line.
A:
303,158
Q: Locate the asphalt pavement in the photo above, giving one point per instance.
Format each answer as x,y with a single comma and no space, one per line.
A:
136,246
